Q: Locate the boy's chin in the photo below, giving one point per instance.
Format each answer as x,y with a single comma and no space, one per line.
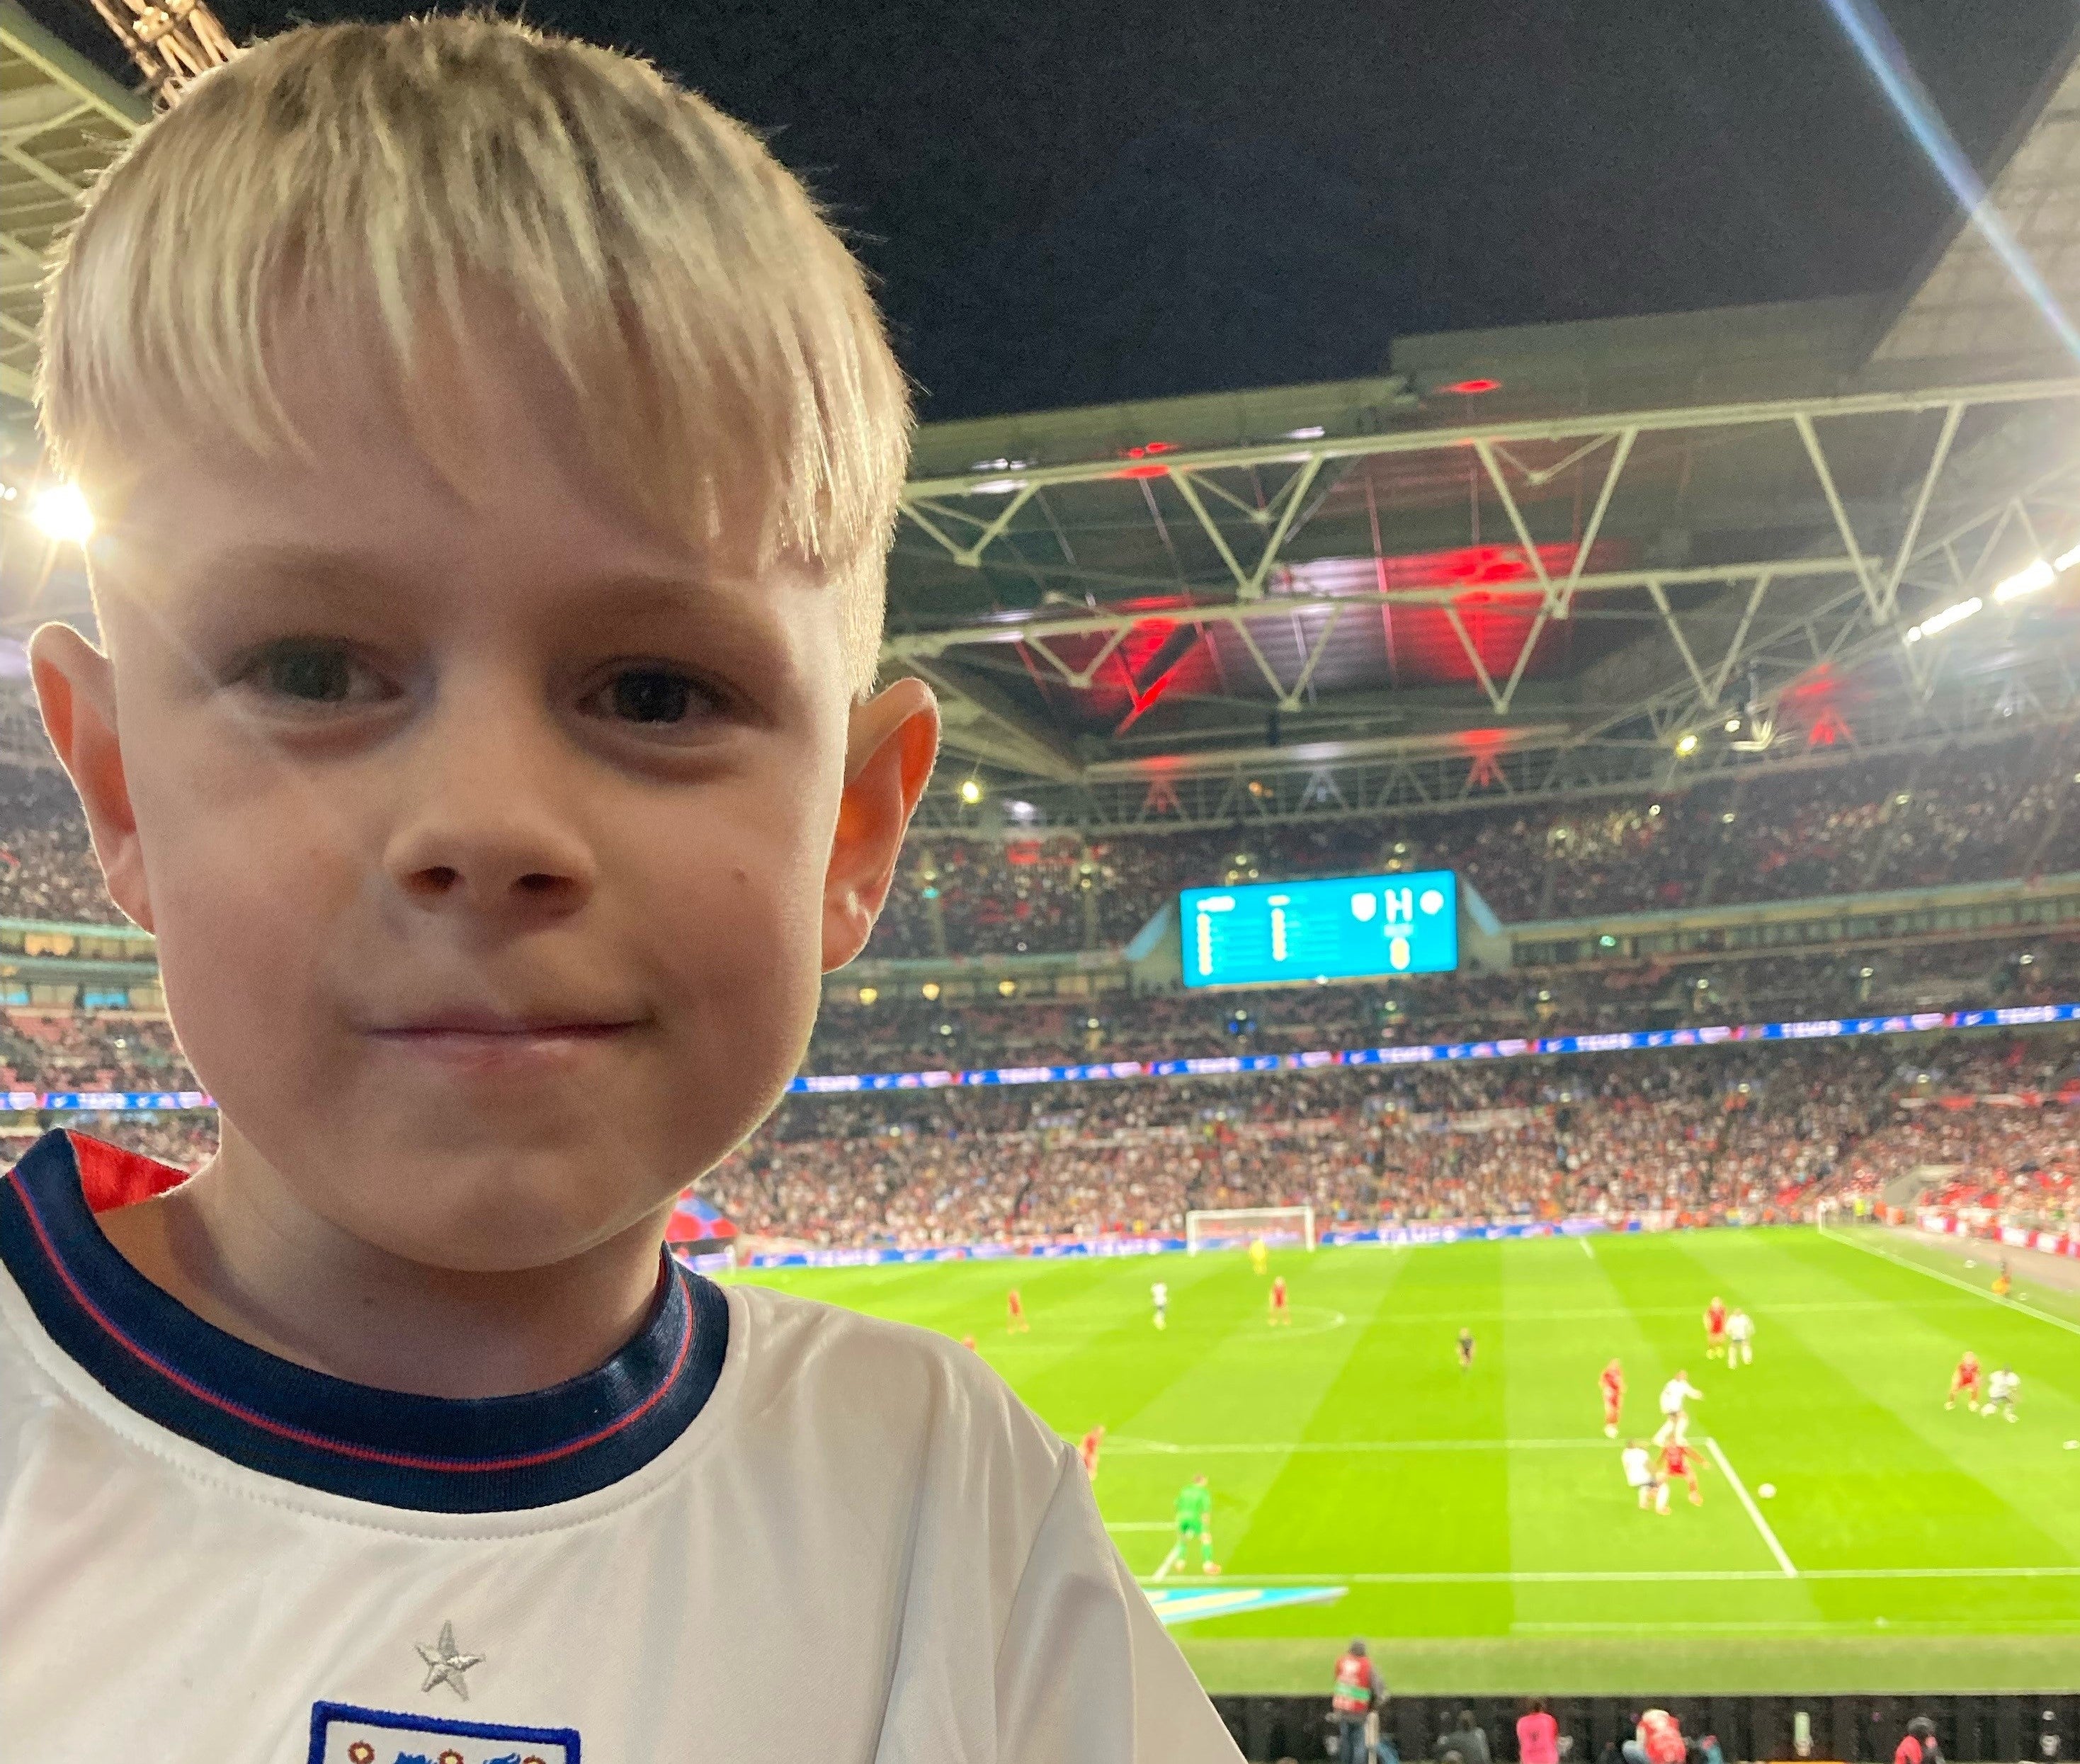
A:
500,1214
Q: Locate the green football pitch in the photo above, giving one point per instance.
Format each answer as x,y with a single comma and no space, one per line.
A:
1476,1526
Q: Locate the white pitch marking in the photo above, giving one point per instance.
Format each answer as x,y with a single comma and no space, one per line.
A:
1841,1626
1586,1250
1652,1576
1139,1525
1282,1447
1740,1488
1336,1321
1950,1280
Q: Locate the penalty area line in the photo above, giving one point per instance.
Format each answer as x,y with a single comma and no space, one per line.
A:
1950,1280
1761,1524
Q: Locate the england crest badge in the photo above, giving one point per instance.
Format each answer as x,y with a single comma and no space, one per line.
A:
343,1734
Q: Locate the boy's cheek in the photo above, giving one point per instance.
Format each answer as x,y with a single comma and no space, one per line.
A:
271,937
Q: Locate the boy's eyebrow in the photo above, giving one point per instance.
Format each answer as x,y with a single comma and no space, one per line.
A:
354,575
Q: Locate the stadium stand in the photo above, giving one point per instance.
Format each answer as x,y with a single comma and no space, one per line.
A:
913,1033
1749,1132
2006,808
1755,1131
47,867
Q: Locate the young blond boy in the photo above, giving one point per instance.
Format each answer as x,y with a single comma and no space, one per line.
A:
495,456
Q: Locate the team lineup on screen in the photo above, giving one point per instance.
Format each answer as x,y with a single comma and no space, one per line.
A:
1335,927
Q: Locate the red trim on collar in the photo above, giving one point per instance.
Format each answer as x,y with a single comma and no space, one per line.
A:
110,1177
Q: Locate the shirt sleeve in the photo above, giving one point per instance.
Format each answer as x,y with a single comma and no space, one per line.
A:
1085,1671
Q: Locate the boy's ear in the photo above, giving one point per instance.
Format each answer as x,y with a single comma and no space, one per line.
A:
892,741
76,690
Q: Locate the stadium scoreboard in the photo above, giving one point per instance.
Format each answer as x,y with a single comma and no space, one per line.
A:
1337,927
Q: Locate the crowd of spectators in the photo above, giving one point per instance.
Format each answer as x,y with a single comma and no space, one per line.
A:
1966,813
54,1050
1971,813
1756,1130
49,1050
906,1031
47,865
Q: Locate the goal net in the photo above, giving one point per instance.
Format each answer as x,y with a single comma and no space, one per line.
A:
1229,1228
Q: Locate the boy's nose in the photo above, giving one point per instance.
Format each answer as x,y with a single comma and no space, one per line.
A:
489,837
489,877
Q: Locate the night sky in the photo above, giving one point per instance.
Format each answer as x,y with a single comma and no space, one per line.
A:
1078,202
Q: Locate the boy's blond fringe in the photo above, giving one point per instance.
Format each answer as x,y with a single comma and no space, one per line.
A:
720,347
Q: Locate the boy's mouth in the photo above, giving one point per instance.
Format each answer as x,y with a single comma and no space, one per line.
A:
490,1041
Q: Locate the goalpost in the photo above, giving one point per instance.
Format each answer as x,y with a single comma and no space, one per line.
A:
1227,1227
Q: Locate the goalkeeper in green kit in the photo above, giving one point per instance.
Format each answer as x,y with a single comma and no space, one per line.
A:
1195,1525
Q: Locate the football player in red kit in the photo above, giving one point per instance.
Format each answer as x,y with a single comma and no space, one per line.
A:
1612,1382
1016,1306
1089,1452
1715,1330
1679,1463
1964,1382
1280,1313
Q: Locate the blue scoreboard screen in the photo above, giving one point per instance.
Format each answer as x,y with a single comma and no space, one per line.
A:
1340,928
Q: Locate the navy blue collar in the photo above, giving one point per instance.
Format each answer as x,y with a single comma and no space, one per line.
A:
435,1454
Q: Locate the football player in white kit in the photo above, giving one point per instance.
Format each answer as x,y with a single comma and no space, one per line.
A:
1740,1339
1676,1395
1642,1478
1158,1295
498,454
2001,1393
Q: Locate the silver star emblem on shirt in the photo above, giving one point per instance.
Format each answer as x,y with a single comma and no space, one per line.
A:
446,1663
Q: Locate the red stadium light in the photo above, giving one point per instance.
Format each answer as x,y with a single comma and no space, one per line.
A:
1143,452
1473,388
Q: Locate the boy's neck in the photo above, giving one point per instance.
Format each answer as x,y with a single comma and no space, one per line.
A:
235,1247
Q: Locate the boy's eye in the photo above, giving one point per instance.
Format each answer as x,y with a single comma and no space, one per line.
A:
314,673
651,695
656,696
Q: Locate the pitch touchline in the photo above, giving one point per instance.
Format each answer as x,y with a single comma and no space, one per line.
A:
1898,1630
1626,1577
1950,1280
1282,1447
1740,1488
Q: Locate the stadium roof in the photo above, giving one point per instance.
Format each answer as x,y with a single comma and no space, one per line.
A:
1514,560
62,119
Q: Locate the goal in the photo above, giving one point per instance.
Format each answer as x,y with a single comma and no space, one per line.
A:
1224,1228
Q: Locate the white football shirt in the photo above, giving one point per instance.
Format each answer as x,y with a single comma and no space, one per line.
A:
766,1526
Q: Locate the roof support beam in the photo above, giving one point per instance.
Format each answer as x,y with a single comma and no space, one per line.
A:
1009,738
1416,440
1806,432
1487,453
1566,603
1948,433
906,647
